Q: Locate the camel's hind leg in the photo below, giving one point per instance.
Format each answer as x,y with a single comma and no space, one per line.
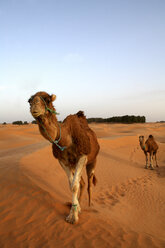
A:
151,161
91,178
156,160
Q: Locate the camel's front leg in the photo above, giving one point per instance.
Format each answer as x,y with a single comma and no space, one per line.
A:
146,167
68,172
73,215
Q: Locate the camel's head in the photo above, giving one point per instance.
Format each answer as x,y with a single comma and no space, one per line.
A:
41,103
141,139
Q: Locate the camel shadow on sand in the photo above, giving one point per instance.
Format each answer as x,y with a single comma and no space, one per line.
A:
161,171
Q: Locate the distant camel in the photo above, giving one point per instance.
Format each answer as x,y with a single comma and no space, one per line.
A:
151,147
74,144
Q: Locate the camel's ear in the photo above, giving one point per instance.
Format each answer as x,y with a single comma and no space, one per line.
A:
30,99
53,97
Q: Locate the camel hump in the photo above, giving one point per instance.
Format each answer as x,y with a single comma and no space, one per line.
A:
80,114
82,119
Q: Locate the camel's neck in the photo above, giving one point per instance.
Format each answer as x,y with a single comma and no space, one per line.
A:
49,127
142,144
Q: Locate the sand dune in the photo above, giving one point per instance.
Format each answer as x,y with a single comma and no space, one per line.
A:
128,208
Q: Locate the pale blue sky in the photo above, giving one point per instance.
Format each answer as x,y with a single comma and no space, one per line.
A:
106,57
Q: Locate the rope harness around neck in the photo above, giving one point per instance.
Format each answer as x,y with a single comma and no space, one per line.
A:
143,147
52,141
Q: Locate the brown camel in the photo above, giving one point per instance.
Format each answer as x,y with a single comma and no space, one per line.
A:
74,144
151,147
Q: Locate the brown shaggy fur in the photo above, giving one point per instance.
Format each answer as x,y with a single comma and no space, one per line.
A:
76,136
151,147
151,144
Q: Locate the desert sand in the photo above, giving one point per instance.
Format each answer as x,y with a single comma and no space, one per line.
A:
128,203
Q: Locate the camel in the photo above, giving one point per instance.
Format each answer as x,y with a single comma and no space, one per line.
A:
151,147
74,144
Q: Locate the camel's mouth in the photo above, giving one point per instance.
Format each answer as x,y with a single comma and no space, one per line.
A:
36,114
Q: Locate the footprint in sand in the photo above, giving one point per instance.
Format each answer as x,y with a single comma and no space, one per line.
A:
112,196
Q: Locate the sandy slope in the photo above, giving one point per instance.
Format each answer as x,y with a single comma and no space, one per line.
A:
128,203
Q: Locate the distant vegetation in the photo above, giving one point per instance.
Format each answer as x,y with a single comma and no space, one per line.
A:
119,119
20,123
34,122
128,119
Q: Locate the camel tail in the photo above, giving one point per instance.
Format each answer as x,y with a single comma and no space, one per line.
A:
94,180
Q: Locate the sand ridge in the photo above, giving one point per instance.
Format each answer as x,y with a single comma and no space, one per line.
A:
128,208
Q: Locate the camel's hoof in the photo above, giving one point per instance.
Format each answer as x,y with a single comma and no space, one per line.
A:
151,168
146,167
71,220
